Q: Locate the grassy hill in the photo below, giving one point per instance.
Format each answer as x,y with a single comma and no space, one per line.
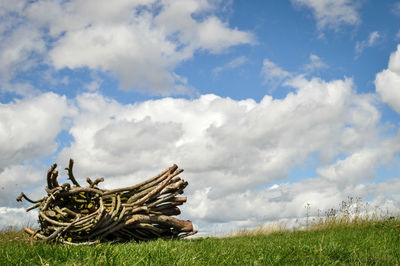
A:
356,242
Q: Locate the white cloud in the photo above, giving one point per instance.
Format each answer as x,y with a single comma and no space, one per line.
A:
236,153
93,86
28,127
387,82
235,63
273,74
287,202
17,49
15,179
372,40
357,167
231,150
397,37
396,8
215,36
16,218
140,42
332,13
314,64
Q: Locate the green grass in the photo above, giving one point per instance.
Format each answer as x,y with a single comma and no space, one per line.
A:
360,242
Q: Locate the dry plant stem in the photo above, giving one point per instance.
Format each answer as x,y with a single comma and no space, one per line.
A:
41,214
33,207
32,233
49,174
170,212
72,213
89,181
53,179
55,233
141,184
22,195
184,226
156,190
79,244
82,189
96,182
70,173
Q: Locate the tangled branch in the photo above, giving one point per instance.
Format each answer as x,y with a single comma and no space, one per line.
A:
87,215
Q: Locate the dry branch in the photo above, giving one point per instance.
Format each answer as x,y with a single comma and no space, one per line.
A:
88,215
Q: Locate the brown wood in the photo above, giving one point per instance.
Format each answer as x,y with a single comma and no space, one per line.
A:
87,215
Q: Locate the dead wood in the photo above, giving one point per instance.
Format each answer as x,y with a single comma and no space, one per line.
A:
87,215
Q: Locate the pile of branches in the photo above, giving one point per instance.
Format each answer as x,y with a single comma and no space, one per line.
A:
87,215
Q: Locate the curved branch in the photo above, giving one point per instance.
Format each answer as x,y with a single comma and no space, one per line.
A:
81,189
70,173
33,234
171,169
97,181
53,179
33,206
22,195
183,226
49,174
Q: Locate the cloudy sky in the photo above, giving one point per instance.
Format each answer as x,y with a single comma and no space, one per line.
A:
267,105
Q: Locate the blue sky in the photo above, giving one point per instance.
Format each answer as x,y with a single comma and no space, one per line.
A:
263,103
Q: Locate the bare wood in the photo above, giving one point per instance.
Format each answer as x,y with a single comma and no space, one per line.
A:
53,178
170,211
157,189
33,207
41,214
70,173
172,168
49,173
184,226
97,181
89,181
188,234
140,212
22,195
33,234
82,189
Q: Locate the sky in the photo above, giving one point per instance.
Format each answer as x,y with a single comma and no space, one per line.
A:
269,106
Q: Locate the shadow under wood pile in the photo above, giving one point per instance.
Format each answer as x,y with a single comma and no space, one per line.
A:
87,215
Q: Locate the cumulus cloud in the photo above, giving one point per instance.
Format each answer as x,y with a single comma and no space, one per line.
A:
140,42
370,42
359,166
315,63
387,82
396,9
397,37
332,13
17,49
28,131
29,126
17,178
16,218
273,74
238,153
235,63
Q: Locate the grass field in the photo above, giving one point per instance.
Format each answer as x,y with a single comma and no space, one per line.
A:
359,242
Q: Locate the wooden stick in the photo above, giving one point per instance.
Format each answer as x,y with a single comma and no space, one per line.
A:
49,174
172,168
70,173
